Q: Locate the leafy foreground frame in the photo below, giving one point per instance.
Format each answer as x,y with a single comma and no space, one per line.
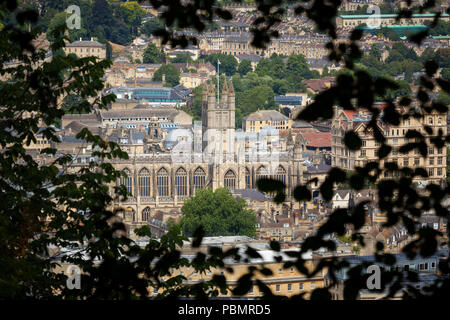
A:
41,204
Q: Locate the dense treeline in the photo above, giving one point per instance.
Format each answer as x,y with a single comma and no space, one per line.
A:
403,64
104,20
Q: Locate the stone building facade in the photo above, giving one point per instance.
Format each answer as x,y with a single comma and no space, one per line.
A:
86,48
212,155
344,158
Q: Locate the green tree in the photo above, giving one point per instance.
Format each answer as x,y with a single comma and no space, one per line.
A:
172,74
444,98
427,54
273,67
407,53
153,55
297,69
443,57
259,97
182,58
390,34
375,51
101,13
442,28
445,73
228,63
394,56
58,20
219,213
244,67
151,26
132,14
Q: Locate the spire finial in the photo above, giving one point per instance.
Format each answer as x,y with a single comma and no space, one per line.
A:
225,87
231,87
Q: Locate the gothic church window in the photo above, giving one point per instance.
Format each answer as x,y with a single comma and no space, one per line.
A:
162,182
144,182
181,182
199,179
230,180
127,181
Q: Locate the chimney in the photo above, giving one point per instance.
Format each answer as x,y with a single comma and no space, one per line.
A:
163,79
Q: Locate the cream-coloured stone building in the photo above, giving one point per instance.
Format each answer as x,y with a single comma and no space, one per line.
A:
352,21
344,158
169,168
86,48
255,121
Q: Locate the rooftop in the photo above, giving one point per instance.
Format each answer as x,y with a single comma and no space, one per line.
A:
86,43
265,115
251,194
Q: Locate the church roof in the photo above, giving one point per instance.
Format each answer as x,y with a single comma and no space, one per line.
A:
266,115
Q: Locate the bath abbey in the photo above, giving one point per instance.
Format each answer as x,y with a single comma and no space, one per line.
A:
170,158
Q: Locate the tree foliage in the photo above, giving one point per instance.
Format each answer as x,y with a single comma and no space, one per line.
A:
228,64
244,67
219,213
171,73
153,55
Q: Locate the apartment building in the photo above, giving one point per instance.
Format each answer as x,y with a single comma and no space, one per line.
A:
344,158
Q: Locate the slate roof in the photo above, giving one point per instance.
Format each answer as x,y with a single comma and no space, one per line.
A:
289,100
251,194
86,43
322,167
141,111
264,115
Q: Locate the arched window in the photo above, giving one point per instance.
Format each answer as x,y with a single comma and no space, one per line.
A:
281,174
127,181
199,179
230,180
162,182
181,182
144,182
146,214
248,183
261,173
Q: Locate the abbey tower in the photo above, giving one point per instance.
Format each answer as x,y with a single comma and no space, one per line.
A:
218,121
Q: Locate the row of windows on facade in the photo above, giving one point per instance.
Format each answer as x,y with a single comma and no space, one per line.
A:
395,152
344,151
394,132
86,50
431,173
290,287
279,122
425,266
407,161
132,119
387,22
181,176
